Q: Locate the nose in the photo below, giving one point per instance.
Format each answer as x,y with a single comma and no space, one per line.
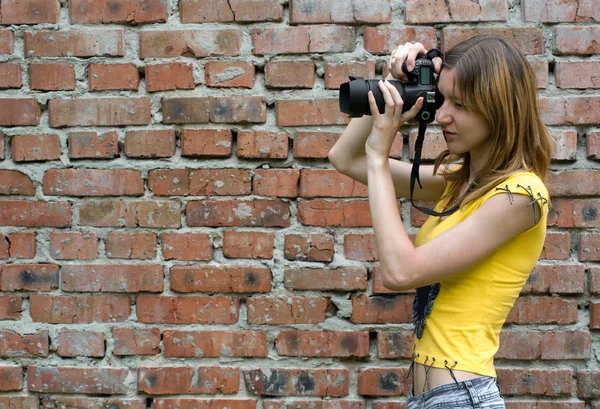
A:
442,115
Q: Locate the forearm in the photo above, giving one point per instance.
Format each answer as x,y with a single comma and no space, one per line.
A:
394,247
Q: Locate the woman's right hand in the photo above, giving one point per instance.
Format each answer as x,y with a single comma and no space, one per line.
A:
409,53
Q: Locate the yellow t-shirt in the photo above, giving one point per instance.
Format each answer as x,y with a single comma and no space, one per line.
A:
471,307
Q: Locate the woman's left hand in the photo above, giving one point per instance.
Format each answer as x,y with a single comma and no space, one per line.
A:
386,125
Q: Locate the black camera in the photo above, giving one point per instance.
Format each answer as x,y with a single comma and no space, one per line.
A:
421,83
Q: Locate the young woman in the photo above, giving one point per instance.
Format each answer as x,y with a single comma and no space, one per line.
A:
469,267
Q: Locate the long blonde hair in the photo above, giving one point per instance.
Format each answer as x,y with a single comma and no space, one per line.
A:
496,81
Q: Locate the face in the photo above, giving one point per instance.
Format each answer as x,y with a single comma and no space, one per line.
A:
465,131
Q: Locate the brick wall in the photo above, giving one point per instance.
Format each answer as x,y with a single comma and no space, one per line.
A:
172,235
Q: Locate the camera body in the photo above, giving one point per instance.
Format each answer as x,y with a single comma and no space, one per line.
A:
354,101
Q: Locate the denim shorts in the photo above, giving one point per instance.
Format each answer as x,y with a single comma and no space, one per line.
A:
482,392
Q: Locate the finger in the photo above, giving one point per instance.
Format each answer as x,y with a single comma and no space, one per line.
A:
373,105
387,97
399,58
413,53
411,113
398,102
437,65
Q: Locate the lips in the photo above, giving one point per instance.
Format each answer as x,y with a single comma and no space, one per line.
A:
449,135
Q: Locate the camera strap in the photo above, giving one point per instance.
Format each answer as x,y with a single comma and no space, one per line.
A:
414,175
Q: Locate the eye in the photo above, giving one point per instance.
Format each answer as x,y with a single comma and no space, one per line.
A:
458,105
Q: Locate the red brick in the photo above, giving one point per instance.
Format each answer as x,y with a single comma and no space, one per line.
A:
13,345
288,310
290,74
186,246
297,382
116,278
276,182
360,247
52,77
169,76
423,11
309,112
556,279
530,345
121,213
383,40
588,385
564,144
338,73
417,217
114,11
14,182
577,74
220,182
572,110
262,144
354,213
136,341
7,42
529,40
527,382
22,245
594,274
12,378
73,343
220,279
393,345
131,245
381,310
206,142
593,145
329,183
574,183
93,182
212,403
75,43
549,11
28,277
215,380
230,74
240,213
541,70
187,110
169,182
10,307
205,11
314,144
203,344
594,315
10,75
326,279
61,309
314,404
91,380
34,214
30,12
543,310
339,344
150,143
106,77
557,246
589,247
73,246
187,310
99,111
577,40
248,244
190,43
305,39
91,145
574,213
352,12
64,401
28,148
383,382
239,109
433,145
309,247
19,112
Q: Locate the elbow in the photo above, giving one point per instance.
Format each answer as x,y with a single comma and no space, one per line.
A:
393,281
334,159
